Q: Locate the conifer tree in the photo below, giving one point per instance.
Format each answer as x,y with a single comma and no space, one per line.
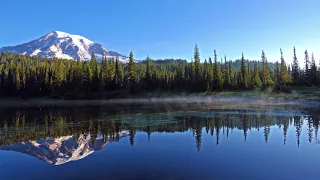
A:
209,75
266,78
95,72
196,57
231,74
118,74
193,71
256,78
148,74
313,70
276,72
243,70
307,68
86,78
148,69
131,69
218,77
284,75
249,78
295,68
227,78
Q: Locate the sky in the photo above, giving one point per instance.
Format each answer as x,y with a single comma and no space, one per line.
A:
171,28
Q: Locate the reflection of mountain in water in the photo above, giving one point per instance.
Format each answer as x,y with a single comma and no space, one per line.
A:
30,125
61,150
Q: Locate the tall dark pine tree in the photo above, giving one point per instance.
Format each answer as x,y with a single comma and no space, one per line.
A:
117,80
266,78
256,78
295,68
209,75
276,72
307,66
284,75
148,74
313,71
231,74
131,72
244,78
94,65
227,78
217,73
86,78
197,64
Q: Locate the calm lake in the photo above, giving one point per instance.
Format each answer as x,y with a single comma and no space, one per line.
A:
196,139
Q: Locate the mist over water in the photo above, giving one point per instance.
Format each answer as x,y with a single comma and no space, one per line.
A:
192,137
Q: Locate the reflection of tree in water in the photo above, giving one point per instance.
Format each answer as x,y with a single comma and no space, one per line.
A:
25,125
244,120
298,124
132,133
266,129
310,128
285,123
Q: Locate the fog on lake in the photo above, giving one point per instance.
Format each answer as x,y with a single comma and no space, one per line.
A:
156,139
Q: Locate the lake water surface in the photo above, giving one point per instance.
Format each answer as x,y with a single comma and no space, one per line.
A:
198,140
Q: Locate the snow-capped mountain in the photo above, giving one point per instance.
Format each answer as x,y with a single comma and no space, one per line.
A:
59,44
61,150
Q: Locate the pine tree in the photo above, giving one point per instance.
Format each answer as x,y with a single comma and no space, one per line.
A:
131,69
118,74
257,81
17,80
295,68
266,78
148,69
148,74
218,77
196,57
232,79
227,78
284,75
86,79
276,73
104,73
94,66
209,75
307,68
249,78
313,71
243,70
193,71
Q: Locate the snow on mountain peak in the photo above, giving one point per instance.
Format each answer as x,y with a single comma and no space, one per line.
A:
58,44
64,149
79,38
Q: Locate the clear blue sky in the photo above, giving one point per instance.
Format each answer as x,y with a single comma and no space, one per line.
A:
171,28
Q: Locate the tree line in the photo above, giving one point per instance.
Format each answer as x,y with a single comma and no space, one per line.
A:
26,76
24,125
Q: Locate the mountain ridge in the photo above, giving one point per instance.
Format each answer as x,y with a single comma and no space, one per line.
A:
64,149
59,44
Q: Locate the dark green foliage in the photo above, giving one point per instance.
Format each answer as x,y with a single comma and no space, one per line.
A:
285,77
265,74
23,76
256,78
218,83
307,66
295,68
243,74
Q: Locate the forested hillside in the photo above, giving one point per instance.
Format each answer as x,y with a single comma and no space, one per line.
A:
25,76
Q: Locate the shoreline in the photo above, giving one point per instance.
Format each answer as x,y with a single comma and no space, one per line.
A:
175,99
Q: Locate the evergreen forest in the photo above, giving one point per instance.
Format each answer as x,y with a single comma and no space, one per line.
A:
26,77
